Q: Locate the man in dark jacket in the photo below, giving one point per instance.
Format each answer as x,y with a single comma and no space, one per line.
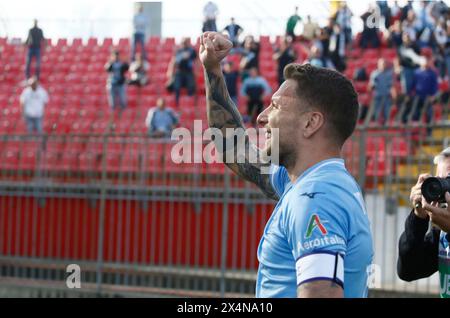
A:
423,251
35,43
116,87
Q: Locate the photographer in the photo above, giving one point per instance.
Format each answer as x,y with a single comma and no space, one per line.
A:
423,252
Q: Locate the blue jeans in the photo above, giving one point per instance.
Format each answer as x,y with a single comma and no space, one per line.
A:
36,53
117,94
138,38
34,124
382,104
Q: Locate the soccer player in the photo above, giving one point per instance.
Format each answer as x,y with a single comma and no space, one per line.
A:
317,242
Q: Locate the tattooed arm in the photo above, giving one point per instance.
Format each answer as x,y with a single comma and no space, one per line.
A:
223,113
320,289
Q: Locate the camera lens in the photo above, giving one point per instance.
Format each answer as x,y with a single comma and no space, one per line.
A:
432,190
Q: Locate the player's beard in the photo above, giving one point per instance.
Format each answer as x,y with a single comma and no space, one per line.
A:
275,150
286,152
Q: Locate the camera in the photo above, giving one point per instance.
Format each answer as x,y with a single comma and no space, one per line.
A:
434,189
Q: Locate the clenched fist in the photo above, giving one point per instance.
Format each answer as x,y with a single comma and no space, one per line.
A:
213,49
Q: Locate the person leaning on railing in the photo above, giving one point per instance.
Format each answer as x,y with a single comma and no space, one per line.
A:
423,252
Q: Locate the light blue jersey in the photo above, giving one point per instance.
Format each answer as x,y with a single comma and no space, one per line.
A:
319,230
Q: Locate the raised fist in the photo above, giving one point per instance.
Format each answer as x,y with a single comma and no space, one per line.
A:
213,49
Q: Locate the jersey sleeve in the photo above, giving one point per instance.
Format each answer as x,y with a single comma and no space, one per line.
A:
317,231
278,178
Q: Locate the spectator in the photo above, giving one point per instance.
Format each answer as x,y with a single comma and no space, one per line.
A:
255,87
161,120
36,43
138,71
317,40
336,48
140,24
447,51
292,23
250,56
231,79
284,55
439,10
325,35
426,36
210,12
395,34
381,84
309,29
315,57
33,100
183,69
396,13
385,12
233,30
425,20
369,35
425,87
116,80
409,59
411,25
344,20
440,36
405,10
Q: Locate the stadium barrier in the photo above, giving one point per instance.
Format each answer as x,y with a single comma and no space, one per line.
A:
138,224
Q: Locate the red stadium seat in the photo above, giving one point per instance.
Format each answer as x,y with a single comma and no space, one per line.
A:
131,162
154,40
6,126
376,147
100,126
92,42
88,161
376,168
27,159
61,43
399,147
124,43
9,159
77,42
107,43
51,161
81,126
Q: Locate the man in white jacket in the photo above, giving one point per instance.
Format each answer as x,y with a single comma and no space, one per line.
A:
210,12
33,100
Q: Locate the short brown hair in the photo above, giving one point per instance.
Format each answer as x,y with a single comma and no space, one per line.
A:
330,92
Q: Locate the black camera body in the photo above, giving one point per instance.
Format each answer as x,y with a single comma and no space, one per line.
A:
434,189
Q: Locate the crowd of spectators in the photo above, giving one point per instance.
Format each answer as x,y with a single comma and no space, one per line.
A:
419,33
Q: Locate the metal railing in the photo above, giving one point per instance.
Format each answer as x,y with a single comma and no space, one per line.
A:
138,224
